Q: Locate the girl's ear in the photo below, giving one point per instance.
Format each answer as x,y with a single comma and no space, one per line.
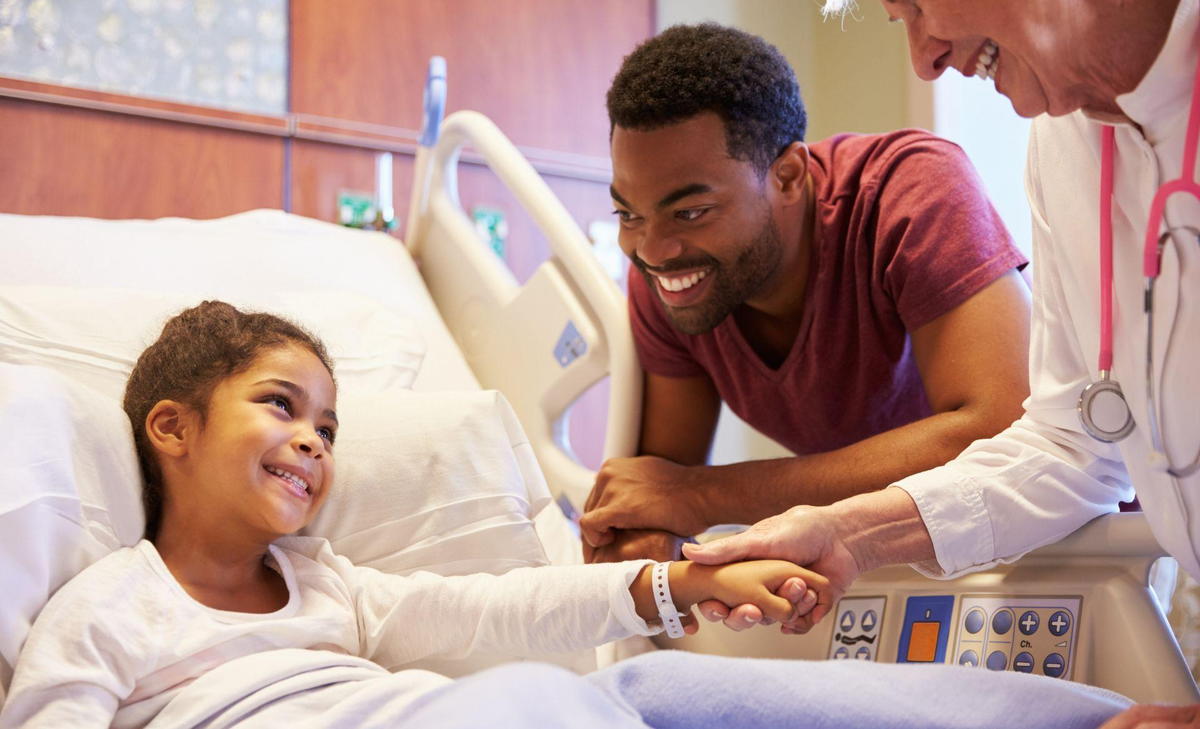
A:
168,427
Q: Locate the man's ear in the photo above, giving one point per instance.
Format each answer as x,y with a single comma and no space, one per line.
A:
789,173
169,427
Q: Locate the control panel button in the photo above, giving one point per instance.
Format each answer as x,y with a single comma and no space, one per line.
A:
1054,665
968,658
842,653
847,621
863,653
925,631
1023,662
1002,622
869,620
1060,623
1029,622
974,621
996,661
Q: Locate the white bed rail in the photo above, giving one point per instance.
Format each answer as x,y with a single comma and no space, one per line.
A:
543,343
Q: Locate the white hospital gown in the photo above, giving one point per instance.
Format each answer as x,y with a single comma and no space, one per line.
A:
122,640
1044,477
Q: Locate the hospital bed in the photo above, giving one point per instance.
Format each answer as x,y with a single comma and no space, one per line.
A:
1079,610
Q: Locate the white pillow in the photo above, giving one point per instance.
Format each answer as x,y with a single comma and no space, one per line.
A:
94,335
70,492
445,482
441,481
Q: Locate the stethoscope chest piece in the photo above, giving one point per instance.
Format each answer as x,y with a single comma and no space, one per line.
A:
1103,411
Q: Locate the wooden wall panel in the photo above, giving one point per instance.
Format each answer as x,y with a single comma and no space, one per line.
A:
58,160
537,68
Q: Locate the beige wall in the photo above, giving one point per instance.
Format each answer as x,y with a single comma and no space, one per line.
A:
854,73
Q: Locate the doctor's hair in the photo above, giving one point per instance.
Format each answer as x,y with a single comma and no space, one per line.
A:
198,348
691,69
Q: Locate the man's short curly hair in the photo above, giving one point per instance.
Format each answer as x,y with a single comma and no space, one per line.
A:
690,69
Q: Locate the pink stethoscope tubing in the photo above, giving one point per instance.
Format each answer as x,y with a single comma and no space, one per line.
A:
1151,264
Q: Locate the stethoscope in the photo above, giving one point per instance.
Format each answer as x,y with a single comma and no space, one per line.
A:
1102,400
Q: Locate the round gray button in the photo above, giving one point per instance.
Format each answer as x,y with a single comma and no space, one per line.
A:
1002,621
974,621
968,658
997,661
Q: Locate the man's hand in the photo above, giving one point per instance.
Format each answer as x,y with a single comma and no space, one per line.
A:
645,492
804,535
1148,716
636,544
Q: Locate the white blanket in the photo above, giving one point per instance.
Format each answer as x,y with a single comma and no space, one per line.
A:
665,690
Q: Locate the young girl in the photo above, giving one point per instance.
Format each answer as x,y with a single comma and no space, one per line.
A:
235,424
219,619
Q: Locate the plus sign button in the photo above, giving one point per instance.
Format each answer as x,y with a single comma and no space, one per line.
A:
1029,622
1060,622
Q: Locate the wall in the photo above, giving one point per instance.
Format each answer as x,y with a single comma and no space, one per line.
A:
853,72
91,125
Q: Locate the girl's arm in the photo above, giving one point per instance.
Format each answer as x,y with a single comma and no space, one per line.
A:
757,582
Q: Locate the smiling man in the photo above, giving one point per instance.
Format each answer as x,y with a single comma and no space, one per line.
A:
856,298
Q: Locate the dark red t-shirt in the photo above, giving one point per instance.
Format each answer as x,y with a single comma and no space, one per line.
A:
904,234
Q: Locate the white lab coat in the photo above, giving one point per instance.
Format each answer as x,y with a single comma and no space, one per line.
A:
1044,477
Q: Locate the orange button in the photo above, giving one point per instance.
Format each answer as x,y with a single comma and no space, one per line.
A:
922,642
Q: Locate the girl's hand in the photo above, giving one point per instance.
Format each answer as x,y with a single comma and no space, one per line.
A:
757,583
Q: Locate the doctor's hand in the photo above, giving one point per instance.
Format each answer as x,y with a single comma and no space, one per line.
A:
804,535
1147,716
636,544
645,492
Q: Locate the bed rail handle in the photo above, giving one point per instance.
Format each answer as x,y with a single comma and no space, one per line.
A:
569,246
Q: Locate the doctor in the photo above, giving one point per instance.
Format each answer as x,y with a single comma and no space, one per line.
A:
1115,85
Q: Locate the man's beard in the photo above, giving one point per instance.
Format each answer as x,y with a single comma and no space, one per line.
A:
733,284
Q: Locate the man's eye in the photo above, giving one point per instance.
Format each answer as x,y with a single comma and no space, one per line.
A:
691,214
623,215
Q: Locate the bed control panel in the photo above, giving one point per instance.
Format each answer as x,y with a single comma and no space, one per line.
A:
1030,634
856,632
1026,634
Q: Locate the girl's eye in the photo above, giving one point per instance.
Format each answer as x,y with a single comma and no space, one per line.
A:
327,434
280,402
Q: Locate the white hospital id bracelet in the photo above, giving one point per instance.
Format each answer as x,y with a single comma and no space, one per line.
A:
662,598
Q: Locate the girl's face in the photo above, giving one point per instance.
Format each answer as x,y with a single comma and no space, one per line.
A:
264,456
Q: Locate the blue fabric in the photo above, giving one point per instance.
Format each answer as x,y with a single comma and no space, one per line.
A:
679,690
686,690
